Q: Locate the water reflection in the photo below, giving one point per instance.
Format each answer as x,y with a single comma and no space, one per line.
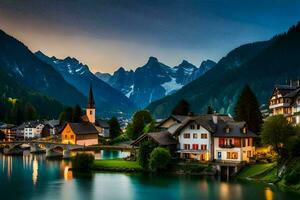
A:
33,177
68,174
224,191
35,168
268,194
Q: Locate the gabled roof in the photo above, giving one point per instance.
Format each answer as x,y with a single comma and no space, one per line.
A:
284,89
206,121
235,130
102,123
82,128
178,118
163,138
32,124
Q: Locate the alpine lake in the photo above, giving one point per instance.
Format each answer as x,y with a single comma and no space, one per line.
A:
33,177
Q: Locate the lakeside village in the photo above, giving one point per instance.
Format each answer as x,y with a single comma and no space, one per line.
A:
261,144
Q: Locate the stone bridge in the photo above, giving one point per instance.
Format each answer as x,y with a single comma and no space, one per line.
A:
52,149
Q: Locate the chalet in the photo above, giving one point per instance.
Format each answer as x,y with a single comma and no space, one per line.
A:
51,127
233,142
8,130
33,129
285,100
79,133
205,138
195,136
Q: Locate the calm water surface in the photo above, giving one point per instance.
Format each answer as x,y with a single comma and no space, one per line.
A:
35,178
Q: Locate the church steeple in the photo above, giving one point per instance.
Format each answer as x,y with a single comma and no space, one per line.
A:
91,101
91,108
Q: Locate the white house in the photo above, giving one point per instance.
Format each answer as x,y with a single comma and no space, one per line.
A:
205,138
33,129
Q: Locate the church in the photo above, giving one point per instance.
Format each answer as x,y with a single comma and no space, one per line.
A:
87,132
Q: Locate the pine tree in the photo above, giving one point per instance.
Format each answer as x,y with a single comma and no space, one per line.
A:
114,126
77,114
210,110
247,109
66,115
182,108
140,120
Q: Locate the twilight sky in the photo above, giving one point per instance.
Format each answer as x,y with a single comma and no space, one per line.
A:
107,34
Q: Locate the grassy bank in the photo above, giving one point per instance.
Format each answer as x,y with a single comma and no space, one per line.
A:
268,173
118,165
256,171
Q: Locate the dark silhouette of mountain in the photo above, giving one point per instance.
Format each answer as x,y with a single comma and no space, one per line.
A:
19,62
10,87
155,80
259,64
109,101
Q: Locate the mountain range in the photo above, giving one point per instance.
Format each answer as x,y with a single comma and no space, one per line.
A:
259,64
109,101
49,82
154,80
55,81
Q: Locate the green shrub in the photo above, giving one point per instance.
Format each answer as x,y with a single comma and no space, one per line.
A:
144,152
120,138
159,159
103,140
83,162
292,175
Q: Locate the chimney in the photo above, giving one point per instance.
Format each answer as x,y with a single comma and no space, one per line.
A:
215,118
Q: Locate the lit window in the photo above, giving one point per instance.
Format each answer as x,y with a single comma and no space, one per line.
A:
232,155
203,146
195,135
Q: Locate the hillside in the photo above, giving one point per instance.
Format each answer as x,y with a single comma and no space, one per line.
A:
20,63
260,64
11,88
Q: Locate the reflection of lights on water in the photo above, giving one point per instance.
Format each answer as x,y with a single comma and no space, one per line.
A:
68,175
224,191
268,194
35,168
3,163
9,166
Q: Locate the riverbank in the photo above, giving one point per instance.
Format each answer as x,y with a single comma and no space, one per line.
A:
116,165
180,168
268,173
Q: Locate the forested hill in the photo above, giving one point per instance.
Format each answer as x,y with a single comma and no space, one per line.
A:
260,64
18,103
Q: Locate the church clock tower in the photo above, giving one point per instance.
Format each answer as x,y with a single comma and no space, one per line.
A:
91,108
